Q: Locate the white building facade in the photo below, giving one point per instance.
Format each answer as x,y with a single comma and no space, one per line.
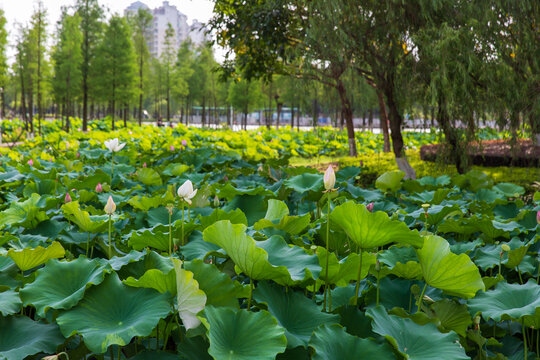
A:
163,16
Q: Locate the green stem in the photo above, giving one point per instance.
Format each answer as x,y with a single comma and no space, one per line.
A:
377,303
112,353
118,352
519,274
357,289
419,303
250,293
110,229
524,338
170,233
327,254
182,241
157,337
112,166
87,244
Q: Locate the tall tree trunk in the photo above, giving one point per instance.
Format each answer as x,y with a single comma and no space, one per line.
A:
364,113
397,139
141,63
279,107
347,114
203,116
455,150
384,121
292,117
126,112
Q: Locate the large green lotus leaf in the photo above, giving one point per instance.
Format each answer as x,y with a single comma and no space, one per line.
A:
229,192
390,181
117,262
243,335
250,259
191,300
27,213
369,230
155,279
305,182
85,222
29,258
300,265
509,190
455,274
415,341
20,337
453,316
333,342
48,292
235,216
253,206
197,248
517,252
293,311
366,195
277,216
341,272
10,303
145,203
507,301
218,287
149,176
113,313
156,237
175,169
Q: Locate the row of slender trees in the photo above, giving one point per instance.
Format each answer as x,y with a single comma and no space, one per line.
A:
101,66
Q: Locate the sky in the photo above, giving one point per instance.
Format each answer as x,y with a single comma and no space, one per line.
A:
20,11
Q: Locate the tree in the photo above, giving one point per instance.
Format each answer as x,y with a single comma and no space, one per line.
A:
116,65
38,33
141,24
244,96
185,63
67,56
167,59
91,14
3,63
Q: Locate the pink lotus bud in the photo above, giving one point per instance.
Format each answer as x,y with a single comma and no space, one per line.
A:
329,178
538,217
225,178
31,162
184,143
67,199
144,165
369,207
171,148
78,155
99,188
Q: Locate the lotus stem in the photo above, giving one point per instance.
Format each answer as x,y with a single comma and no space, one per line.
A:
357,289
63,353
419,303
524,338
112,353
110,229
327,256
170,233
378,279
182,240
519,274
250,294
112,166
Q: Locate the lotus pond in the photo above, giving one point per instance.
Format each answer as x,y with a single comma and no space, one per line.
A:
103,257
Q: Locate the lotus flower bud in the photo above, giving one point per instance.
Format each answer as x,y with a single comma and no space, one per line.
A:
425,207
377,266
329,178
369,207
99,188
78,155
144,165
538,217
31,162
171,148
67,199
110,207
184,143
505,247
216,201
